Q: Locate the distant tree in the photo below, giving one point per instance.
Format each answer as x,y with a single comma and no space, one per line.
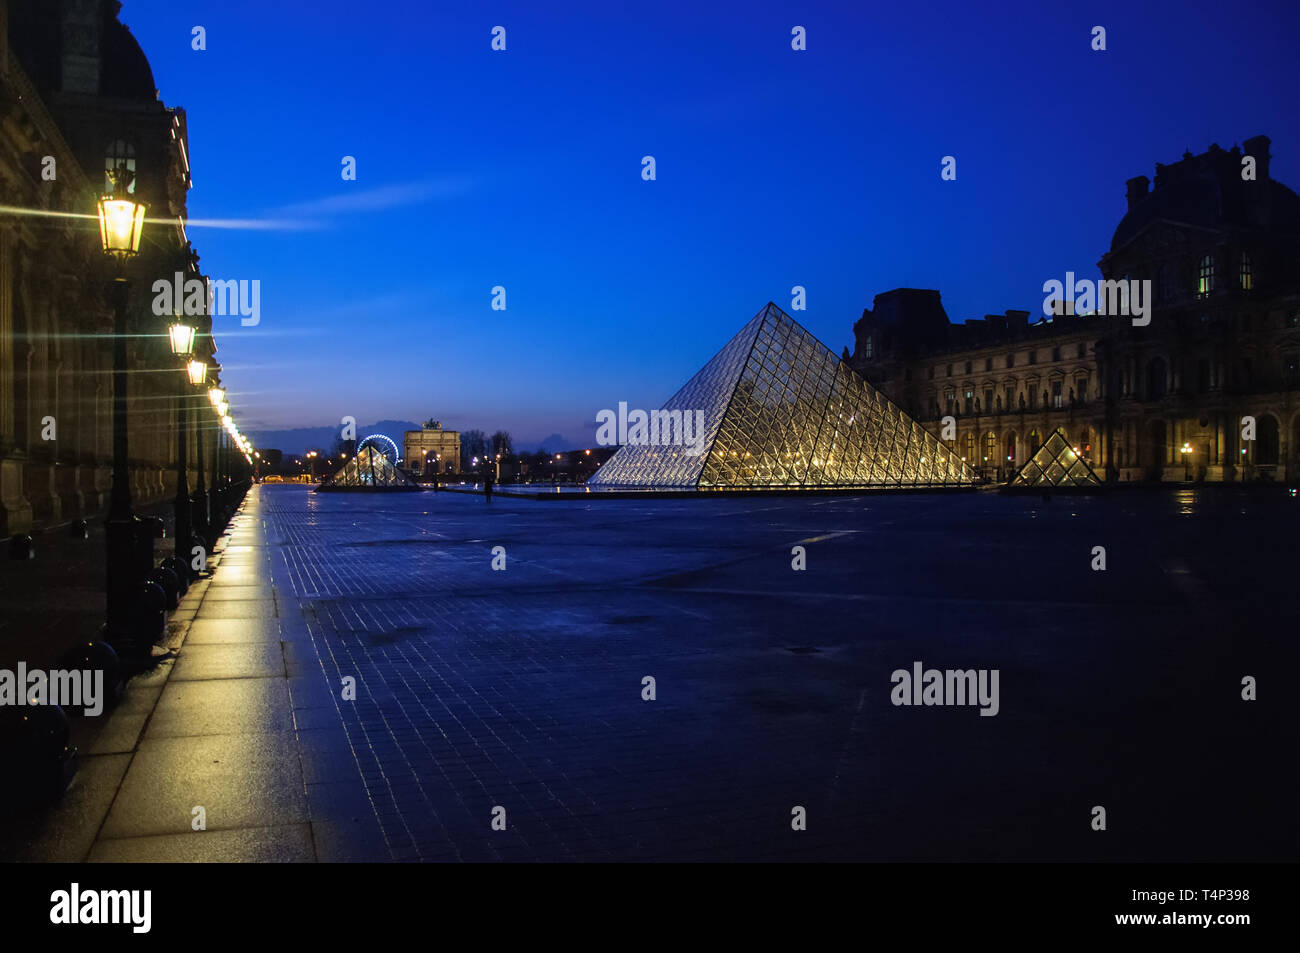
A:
473,443
502,444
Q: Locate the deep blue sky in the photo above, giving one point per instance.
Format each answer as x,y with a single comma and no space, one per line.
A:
775,168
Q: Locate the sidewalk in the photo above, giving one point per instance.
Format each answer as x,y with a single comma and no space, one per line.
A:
230,726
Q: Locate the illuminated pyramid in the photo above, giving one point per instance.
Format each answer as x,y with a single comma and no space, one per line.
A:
780,411
1055,464
369,470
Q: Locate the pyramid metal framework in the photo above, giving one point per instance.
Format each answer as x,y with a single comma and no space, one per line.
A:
370,469
1055,464
782,411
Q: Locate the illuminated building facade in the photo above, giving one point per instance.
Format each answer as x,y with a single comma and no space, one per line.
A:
1168,401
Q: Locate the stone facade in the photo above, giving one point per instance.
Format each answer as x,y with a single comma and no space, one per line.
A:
76,94
1167,401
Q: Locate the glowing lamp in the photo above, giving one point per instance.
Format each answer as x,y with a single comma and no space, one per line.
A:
198,371
121,220
181,336
216,395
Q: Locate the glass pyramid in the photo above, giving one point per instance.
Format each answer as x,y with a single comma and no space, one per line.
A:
370,469
1055,464
780,410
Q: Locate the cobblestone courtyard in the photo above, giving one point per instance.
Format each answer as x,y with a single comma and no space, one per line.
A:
522,689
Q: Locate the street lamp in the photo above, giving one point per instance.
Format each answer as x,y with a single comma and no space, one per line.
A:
181,336
1186,450
121,218
121,222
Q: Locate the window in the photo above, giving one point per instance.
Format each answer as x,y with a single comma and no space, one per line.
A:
1081,351
1056,394
1034,441
968,367
1011,396
990,449
970,399
950,370
988,399
969,445
1081,390
1205,281
950,399
1290,369
868,348
1247,277
1011,360
119,154
1033,357
1157,378
1056,354
988,363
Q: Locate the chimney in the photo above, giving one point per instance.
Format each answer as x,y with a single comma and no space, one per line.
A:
1137,190
1258,147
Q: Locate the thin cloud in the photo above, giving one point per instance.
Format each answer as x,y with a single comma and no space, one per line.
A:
377,200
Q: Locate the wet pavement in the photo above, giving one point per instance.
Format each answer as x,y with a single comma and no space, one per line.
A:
515,695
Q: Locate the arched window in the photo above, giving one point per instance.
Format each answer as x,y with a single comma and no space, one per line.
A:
120,154
990,449
968,449
1205,280
1035,441
1246,275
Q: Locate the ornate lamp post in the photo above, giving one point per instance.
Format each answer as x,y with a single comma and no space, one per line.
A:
181,335
207,504
121,221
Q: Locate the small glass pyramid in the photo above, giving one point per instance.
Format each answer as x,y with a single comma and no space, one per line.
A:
781,410
1055,464
369,470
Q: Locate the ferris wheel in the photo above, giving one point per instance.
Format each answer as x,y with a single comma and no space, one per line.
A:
385,445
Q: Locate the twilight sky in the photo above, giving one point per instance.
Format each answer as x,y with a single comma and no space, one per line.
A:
775,168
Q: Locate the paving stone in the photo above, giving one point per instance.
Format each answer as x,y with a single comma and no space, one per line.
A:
287,843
